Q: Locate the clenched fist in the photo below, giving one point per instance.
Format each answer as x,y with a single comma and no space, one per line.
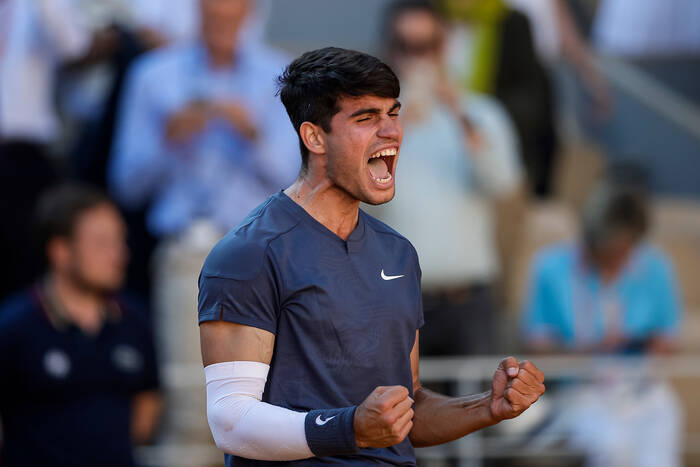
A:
516,386
384,418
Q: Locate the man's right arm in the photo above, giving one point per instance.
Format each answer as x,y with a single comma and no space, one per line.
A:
223,341
236,359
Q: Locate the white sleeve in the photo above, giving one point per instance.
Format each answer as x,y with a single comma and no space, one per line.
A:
243,425
63,24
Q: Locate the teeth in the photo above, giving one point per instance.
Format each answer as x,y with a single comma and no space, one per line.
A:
385,152
384,180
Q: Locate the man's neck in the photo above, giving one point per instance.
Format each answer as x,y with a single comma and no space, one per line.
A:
328,204
220,58
605,272
82,306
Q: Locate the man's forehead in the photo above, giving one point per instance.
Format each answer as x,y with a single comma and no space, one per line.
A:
349,104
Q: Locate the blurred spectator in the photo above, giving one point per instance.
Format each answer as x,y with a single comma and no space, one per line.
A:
202,134
491,50
459,154
202,139
90,91
558,41
648,27
36,37
78,366
611,293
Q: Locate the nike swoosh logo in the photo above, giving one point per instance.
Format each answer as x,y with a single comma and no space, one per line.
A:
389,278
321,422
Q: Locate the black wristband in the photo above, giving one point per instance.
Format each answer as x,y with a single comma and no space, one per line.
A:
330,432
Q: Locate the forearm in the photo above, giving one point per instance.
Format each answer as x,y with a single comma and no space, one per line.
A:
439,419
243,425
146,408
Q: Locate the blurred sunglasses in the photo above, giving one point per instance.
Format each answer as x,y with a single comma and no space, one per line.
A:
403,46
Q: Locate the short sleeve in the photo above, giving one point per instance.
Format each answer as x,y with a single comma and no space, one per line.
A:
667,303
251,302
151,376
139,323
420,317
151,379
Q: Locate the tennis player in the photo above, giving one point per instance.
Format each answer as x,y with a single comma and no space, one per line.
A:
310,309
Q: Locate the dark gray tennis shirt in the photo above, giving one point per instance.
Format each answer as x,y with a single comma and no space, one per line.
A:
344,313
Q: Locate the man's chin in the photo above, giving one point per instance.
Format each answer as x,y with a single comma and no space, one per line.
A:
375,199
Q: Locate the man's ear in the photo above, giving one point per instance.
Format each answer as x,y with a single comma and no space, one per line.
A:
313,137
58,252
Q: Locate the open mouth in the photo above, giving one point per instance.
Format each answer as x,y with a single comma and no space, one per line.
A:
381,164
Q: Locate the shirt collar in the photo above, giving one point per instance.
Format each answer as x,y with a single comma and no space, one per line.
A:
200,55
353,243
56,313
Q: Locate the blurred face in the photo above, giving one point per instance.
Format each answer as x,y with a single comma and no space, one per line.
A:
221,22
417,36
95,258
362,148
612,256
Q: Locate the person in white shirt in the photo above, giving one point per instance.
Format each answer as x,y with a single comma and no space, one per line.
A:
36,36
42,34
458,155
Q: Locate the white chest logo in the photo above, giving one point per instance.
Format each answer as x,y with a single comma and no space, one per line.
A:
390,278
127,358
56,363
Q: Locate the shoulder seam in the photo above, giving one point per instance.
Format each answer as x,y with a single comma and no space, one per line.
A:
267,245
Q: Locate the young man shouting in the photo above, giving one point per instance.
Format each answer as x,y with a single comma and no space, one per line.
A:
309,310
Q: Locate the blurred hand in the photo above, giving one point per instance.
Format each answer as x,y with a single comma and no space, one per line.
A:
515,387
450,95
237,116
384,418
187,122
598,88
151,38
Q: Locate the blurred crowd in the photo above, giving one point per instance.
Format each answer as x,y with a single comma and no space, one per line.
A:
134,134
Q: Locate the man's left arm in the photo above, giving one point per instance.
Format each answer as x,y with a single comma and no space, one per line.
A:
439,419
146,407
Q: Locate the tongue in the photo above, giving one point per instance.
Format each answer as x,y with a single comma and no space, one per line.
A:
378,168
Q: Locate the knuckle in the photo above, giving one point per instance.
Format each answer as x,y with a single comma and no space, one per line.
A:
388,420
384,405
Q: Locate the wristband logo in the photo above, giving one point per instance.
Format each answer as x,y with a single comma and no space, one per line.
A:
321,422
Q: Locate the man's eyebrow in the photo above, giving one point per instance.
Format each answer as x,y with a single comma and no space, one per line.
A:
374,110
368,110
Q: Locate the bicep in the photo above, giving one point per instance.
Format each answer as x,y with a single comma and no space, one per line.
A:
223,341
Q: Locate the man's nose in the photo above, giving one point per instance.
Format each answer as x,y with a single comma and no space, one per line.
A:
390,128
